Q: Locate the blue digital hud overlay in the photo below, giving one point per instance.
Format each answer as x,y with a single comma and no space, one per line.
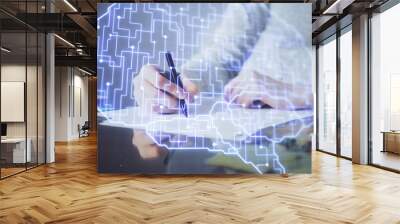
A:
243,76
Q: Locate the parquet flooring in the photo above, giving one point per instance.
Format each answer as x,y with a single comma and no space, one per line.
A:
71,191
11,170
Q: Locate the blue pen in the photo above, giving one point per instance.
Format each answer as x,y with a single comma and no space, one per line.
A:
175,77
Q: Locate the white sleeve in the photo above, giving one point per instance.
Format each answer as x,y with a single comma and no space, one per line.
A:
284,48
223,55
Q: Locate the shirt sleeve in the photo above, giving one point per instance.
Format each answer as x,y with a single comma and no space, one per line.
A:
223,55
283,51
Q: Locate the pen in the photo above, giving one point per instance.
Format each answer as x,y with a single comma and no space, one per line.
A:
175,77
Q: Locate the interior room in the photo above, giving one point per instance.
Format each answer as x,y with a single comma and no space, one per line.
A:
101,121
23,96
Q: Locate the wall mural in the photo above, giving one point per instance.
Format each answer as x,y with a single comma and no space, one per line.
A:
204,88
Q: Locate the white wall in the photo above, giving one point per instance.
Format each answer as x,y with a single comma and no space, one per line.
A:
14,73
71,94
61,103
81,89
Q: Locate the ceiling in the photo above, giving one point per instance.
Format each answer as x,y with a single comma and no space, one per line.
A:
331,15
75,22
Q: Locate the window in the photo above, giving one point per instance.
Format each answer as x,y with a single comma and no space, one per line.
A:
22,77
385,89
327,96
346,93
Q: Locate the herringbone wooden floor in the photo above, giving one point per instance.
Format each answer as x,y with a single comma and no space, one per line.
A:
71,191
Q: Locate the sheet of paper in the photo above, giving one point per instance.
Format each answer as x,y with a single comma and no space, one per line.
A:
219,120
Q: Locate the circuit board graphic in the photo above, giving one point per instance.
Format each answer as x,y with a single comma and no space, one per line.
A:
213,46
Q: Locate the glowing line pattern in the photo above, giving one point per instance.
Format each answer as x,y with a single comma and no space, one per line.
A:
133,35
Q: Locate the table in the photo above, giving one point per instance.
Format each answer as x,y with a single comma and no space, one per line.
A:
391,141
15,148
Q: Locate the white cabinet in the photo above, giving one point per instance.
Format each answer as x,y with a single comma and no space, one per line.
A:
19,155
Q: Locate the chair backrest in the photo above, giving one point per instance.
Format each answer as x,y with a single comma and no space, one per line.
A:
86,125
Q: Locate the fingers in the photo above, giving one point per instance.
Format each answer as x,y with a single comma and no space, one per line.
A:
237,91
190,87
163,103
156,93
246,91
232,90
246,97
155,100
151,74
